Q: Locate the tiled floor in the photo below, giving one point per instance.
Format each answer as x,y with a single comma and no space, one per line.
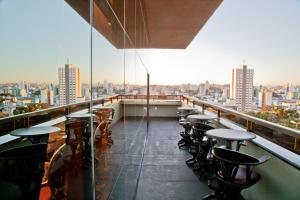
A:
146,166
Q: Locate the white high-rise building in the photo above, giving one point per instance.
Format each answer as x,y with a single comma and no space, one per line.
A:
268,98
69,84
226,92
86,92
109,89
261,99
44,96
23,93
206,87
51,97
242,88
265,98
202,90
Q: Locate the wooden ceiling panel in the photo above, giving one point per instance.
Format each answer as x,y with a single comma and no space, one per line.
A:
168,24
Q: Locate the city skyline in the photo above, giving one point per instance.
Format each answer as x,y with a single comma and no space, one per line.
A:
265,35
154,84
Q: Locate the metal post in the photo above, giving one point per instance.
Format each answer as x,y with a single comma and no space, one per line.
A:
148,96
219,114
28,121
91,102
67,111
89,106
249,126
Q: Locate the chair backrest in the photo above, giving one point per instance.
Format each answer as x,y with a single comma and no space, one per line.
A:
103,114
56,169
229,161
101,128
202,127
76,124
199,129
22,164
75,129
234,157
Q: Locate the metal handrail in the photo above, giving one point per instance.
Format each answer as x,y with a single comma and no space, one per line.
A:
34,113
99,100
248,118
151,97
195,101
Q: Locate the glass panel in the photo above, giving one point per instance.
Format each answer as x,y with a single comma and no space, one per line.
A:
280,138
118,69
108,80
45,63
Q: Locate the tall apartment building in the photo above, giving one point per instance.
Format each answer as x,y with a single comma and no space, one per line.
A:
69,84
206,87
226,92
44,96
265,99
242,88
202,90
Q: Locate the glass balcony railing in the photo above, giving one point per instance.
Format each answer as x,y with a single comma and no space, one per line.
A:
281,135
8,124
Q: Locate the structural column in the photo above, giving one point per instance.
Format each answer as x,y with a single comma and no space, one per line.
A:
148,97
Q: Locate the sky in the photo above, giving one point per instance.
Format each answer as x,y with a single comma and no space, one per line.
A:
37,37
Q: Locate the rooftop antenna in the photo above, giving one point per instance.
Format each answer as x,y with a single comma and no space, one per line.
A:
244,61
68,61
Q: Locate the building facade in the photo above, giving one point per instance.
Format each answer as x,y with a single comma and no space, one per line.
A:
226,92
265,98
242,88
202,90
69,84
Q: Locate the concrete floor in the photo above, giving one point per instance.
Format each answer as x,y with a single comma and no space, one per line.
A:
144,166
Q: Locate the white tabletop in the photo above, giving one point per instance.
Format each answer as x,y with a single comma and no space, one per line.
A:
230,134
200,117
83,115
186,108
34,131
103,108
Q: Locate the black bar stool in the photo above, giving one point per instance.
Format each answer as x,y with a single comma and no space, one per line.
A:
24,166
